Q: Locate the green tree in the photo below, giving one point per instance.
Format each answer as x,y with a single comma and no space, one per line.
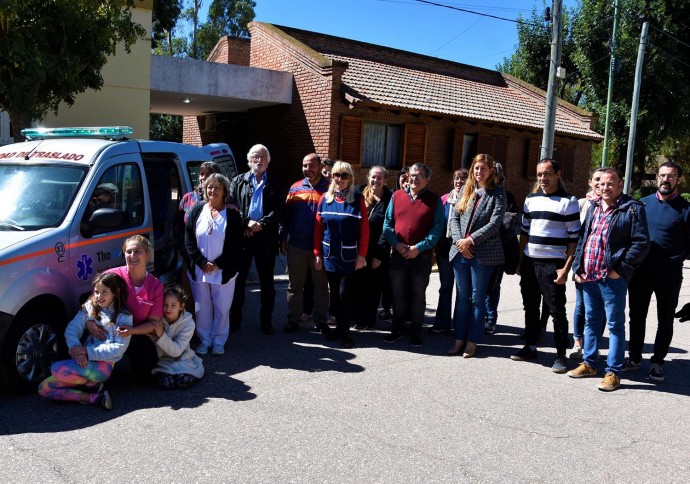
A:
225,17
165,127
531,59
163,22
665,90
665,95
52,50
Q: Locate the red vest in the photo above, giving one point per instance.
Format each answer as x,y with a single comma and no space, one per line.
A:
413,218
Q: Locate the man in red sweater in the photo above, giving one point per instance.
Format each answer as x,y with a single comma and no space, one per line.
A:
413,226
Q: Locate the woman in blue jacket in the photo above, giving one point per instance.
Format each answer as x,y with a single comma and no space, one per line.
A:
341,238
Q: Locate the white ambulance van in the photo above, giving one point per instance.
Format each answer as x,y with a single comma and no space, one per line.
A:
69,197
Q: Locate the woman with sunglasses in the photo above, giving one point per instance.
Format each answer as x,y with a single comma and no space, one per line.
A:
341,238
213,238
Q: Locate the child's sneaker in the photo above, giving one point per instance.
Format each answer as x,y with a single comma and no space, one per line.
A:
202,349
103,400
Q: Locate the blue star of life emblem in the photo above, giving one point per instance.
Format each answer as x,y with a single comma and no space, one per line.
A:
84,267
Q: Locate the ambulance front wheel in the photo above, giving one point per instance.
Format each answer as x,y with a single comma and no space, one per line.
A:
32,345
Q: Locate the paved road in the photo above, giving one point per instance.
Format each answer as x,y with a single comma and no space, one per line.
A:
293,408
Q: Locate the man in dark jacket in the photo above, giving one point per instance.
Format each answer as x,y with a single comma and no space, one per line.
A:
614,241
259,199
661,273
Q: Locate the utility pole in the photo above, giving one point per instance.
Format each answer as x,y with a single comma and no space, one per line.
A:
551,98
633,110
609,98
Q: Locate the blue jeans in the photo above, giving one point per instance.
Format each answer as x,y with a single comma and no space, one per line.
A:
471,279
605,298
445,293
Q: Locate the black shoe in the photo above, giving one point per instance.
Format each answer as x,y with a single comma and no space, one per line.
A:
335,335
489,328
393,337
267,329
371,326
322,328
385,314
416,341
347,340
525,354
360,326
291,328
656,372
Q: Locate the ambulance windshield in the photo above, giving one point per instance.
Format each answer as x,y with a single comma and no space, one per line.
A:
37,196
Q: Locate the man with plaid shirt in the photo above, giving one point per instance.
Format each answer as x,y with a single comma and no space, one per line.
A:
614,241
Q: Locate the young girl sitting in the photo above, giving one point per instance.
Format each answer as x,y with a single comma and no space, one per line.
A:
92,363
178,365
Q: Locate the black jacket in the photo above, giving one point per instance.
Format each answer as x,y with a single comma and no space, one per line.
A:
627,238
241,191
378,247
228,261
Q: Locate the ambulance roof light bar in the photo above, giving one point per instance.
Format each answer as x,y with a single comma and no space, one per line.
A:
109,132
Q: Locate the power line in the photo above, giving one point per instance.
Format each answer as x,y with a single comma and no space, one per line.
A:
462,32
517,21
663,31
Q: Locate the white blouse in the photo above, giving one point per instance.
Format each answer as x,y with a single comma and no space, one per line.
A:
210,244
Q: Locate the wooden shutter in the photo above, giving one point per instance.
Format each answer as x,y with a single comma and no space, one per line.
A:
457,147
500,152
531,158
351,140
567,162
415,144
484,144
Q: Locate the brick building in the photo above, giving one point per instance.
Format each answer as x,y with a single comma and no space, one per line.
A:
367,104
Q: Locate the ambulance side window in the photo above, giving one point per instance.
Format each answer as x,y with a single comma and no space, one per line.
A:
117,201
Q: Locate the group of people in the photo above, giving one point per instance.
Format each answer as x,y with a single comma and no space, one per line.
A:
346,244
129,311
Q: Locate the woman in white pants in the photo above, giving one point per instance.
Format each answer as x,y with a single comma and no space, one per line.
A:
213,238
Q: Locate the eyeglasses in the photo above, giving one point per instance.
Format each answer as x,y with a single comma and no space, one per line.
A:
344,176
668,176
211,224
258,157
416,176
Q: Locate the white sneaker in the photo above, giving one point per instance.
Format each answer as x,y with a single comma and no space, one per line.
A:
218,350
202,349
576,352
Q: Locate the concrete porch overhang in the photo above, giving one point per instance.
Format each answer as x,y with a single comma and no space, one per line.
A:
211,87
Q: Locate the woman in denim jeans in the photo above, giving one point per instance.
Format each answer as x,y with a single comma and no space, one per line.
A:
476,250
442,322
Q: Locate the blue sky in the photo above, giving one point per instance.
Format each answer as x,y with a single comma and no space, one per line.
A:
410,25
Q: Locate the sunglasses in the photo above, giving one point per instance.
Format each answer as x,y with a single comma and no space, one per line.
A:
343,176
209,229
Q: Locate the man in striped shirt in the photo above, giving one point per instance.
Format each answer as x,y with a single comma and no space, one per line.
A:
550,228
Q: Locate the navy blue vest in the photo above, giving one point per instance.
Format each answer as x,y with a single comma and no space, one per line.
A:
340,234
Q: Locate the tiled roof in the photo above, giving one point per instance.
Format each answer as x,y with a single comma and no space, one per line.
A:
505,102
391,77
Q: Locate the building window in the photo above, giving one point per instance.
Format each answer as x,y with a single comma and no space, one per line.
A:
382,145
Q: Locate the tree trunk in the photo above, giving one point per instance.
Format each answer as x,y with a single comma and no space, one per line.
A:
18,122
